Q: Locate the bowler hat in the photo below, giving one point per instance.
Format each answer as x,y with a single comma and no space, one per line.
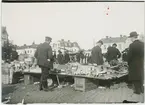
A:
48,38
133,34
100,41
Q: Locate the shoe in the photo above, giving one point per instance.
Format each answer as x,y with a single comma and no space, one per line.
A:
53,86
45,89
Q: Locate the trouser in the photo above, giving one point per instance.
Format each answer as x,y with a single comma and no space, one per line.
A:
138,86
44,77
54,79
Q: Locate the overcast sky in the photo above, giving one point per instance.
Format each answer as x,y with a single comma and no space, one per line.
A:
79,22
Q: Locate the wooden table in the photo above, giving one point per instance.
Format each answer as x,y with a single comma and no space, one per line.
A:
81,82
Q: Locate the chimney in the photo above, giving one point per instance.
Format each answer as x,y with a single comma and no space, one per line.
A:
107,37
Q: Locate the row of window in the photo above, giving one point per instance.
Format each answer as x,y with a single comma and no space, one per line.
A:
65,44
26,51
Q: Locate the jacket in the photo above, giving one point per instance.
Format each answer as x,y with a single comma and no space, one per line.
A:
136,60
42,54
96,55
113,54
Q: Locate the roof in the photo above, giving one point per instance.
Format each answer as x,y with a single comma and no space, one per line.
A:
114,39
69,44
27,46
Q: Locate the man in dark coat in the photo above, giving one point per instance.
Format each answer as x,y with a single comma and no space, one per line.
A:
60,57
44,58
136,63
14,54
66,57
124,54
113,53
96,54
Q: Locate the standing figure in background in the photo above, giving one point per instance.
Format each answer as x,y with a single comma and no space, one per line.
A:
113,53
60,57
54,56
96,54
66,57
124,54
80,57
136,63
14,54
44,58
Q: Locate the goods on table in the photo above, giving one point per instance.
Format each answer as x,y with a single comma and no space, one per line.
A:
102,71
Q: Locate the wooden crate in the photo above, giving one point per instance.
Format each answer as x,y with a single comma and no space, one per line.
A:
85,84
28,79
7,74
5,79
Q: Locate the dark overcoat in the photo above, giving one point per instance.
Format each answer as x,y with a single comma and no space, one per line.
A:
14,55
96,55
42,54
66,58
136,60
60,58
112,54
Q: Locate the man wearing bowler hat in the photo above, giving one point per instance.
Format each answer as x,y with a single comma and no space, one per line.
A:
44,58
136,63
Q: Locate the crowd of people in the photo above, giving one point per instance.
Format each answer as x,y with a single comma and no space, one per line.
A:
134,55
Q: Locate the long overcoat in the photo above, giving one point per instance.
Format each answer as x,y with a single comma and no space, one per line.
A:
136,60
42,54
96,55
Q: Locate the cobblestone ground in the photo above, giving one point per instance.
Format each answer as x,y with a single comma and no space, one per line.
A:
115,94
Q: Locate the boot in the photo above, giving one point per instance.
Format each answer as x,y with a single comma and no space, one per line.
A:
45,86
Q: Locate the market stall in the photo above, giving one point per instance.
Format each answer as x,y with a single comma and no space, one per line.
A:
85,76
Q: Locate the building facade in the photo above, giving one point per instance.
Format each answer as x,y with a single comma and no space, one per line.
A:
59,45
63,45
27,49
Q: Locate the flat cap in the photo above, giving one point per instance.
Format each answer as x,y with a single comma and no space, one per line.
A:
48,38
100,41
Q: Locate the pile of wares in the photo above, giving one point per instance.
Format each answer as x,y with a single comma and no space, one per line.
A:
17,66
102,71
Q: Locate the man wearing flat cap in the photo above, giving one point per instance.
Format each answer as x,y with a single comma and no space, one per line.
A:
96,54
113,53
44,58
136,63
